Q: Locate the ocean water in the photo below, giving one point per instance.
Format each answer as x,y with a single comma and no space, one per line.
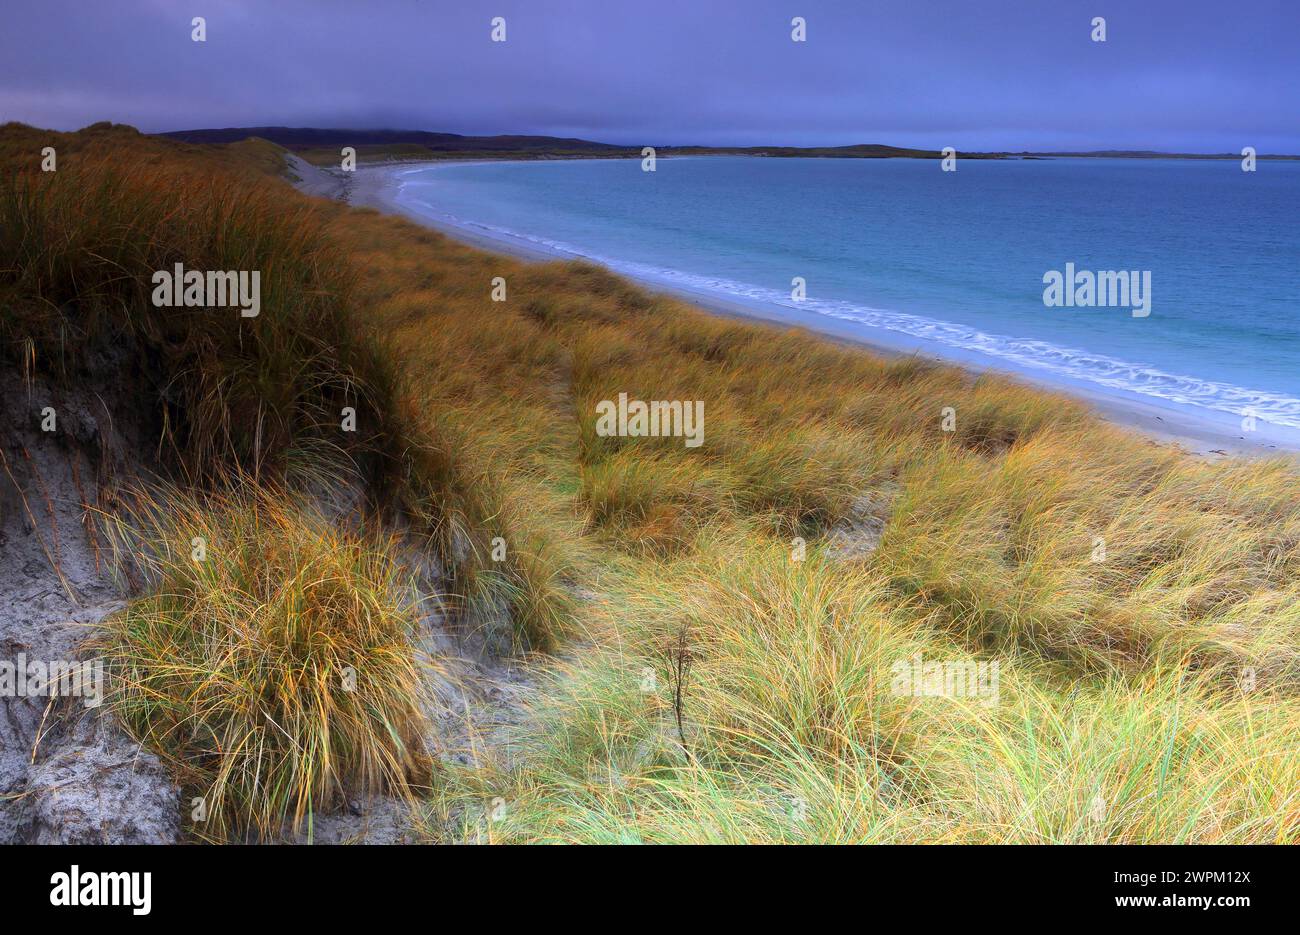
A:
952,264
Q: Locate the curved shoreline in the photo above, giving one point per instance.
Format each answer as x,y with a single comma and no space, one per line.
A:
379,187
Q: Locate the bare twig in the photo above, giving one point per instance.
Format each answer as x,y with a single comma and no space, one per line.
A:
87,513
36,528
49,509
681,661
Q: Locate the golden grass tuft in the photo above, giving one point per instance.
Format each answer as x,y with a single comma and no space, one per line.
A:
276,673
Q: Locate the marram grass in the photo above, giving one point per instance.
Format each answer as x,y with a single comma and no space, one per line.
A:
271,662
1141,604
794,733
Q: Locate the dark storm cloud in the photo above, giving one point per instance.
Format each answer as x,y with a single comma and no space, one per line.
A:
1173,74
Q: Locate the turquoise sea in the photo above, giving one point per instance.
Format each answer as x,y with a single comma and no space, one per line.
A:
950,263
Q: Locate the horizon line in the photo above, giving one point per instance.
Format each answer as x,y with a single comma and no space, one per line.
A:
723,146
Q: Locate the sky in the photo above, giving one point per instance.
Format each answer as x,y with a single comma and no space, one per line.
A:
1174,75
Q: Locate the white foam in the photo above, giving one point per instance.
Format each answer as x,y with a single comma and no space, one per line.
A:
1074,363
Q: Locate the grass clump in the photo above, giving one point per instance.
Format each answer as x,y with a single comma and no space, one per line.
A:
273,669
220,392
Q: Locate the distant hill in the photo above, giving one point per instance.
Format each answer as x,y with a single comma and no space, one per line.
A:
857,151
322,145
307,138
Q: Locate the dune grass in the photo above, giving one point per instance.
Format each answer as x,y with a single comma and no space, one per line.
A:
1138,600
717,674
270,659
793,731
263,395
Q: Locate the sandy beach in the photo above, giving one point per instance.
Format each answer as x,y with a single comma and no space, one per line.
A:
378,186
